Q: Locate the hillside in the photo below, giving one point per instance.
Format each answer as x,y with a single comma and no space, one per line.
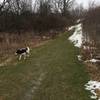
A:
52,72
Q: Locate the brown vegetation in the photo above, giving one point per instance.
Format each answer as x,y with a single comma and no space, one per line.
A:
23,23
91,42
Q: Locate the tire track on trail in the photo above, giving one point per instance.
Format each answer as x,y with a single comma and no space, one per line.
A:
35,85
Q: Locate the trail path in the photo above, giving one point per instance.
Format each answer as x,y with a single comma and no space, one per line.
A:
52,72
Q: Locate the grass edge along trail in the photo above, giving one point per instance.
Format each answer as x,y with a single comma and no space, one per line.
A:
52,72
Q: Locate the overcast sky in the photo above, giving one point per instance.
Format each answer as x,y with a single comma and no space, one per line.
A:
86,2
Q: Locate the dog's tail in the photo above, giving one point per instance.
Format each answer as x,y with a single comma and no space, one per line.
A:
15,53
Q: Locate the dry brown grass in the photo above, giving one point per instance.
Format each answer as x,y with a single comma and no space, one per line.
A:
89,52
94,71
10,42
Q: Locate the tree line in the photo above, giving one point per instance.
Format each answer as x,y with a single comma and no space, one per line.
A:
19,16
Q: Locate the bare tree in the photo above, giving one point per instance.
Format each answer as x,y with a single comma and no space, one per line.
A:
62,6
3,4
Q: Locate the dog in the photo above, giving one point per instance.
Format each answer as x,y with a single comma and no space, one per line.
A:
22,52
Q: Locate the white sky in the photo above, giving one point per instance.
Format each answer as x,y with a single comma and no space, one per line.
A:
86,2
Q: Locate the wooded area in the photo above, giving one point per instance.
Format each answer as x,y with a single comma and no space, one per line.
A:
21,15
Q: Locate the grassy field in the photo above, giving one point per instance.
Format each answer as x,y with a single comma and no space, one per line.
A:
52,72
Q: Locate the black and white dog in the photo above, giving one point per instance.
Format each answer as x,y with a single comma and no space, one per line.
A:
23,52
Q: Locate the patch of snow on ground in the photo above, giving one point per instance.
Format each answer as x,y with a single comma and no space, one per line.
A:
92,86
71,28
79,57
77,36
92,60
78,20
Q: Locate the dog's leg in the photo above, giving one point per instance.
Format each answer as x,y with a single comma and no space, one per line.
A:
20,56
24,56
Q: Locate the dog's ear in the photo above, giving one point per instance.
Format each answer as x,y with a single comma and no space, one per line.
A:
27,46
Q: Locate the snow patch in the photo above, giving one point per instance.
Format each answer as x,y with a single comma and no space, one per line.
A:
93,60
77,36
79,57
92,86
78,20
71,28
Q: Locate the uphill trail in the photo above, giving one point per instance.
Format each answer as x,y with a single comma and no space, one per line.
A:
52,72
